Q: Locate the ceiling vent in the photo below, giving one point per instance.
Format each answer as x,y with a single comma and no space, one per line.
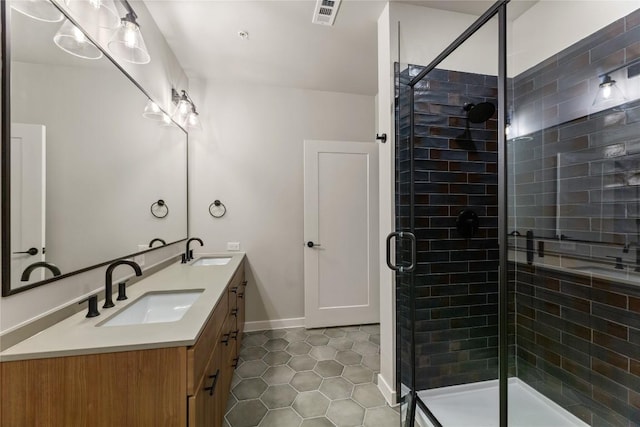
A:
325,12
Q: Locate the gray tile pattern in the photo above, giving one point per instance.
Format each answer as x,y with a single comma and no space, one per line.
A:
310,378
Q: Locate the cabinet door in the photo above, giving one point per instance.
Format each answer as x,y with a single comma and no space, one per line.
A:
204,410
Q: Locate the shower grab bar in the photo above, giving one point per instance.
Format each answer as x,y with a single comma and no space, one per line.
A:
402,235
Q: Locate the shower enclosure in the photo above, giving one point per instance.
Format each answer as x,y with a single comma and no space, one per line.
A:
517,243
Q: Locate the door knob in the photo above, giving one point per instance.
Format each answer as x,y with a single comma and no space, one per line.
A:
311,244
31,251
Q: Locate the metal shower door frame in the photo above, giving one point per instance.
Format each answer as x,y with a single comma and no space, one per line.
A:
500,9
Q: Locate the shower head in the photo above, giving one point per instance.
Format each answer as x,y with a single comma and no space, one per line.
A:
479,113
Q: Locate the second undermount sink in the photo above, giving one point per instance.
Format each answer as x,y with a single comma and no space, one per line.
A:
156,307
212,261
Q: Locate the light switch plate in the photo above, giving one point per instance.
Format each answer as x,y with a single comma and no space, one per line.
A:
233,246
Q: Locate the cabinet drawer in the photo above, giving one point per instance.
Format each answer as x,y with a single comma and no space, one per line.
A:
198,355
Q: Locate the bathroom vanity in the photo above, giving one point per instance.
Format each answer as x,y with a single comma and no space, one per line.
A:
89,371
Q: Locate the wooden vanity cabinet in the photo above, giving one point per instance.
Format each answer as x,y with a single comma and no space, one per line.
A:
173,387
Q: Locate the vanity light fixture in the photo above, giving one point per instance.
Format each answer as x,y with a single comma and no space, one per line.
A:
72,40
608,91
42,10
152,111
127,42
185,113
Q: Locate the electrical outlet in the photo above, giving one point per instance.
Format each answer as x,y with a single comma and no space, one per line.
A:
233,246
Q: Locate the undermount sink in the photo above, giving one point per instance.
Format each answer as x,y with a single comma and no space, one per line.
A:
611,272
156,307
211,261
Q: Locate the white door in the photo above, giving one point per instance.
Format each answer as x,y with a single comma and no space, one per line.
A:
27,200
341,274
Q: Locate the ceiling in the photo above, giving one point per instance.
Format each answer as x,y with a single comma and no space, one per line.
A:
283,47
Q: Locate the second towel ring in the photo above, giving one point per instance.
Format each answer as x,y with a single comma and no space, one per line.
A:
159,209
217,209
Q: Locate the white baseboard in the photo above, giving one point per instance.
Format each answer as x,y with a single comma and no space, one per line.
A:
388,393
263,325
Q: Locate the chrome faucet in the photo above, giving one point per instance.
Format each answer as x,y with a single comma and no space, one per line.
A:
27,271
108,283
188,255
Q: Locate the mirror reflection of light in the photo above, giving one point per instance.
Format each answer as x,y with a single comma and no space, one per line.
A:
166,119
130,35
78,35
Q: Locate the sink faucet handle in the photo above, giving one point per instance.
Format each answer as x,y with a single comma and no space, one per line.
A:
93,306
122,291
619,265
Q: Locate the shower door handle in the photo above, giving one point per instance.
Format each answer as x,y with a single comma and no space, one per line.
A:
389,264
402,235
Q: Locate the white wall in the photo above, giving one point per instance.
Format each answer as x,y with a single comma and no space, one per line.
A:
157,78
426,32
250,156
387,34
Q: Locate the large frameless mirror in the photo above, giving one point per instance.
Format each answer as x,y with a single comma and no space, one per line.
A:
87,177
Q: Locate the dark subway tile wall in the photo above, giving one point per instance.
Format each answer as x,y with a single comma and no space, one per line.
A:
578,343
456,278
577,338
576,174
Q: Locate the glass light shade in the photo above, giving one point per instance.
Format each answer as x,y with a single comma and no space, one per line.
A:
127,43
72,40
182,111
152,111
193,121
100,13
42,10
609,94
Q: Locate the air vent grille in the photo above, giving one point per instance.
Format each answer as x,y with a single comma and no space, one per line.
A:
325,12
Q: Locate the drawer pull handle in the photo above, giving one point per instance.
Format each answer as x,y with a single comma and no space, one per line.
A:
241,295
212,388
234,289
244,283
234,334
234,312
225,340
235,362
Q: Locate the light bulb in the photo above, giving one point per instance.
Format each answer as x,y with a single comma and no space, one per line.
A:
606,91
130,35
507,129
166,119
78,35
153,107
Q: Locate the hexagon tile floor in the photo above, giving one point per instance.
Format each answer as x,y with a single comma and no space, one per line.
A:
309,378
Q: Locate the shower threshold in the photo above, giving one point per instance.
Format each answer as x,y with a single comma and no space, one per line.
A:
476,405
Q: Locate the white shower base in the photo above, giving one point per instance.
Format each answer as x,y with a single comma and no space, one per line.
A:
476,405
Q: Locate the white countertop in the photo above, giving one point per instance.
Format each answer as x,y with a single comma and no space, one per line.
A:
78,334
